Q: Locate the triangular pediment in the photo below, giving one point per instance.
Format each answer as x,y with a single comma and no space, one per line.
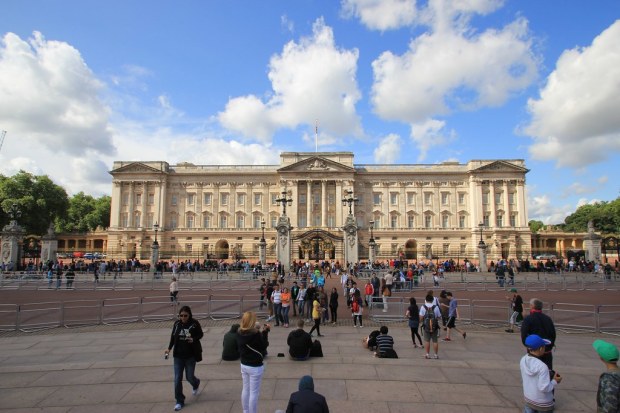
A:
135,167
316,164
501,166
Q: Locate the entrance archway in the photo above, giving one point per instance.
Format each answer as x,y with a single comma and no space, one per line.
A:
221,250
316,246
411,250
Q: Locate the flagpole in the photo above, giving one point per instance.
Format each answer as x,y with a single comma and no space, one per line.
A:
316,136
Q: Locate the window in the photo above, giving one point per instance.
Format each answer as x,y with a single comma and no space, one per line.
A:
258,198
173,221
207,200
427,198
240,221
360,199
428,221
188,248
138,199
224,199
394,221
485,221
223,221
463,249
190,199
513,220
125,199
498,197
303,221
461,198
174,199
393,198
151,199
206,221
274,221
377,221
257,221
136,219
331,221
512,196
316,198
149,221
302,199
499,221
445,221
446,249
274,196
461,221
317,220
331,199
445,197
410,198
240,199
376,198
190,221
124,220
410,221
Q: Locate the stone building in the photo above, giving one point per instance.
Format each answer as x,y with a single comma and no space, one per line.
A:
412,211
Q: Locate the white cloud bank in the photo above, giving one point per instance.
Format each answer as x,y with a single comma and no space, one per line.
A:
381,14
388,150
575,120
311,79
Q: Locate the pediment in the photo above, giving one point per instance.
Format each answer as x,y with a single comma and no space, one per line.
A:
501,166
135,167
316,164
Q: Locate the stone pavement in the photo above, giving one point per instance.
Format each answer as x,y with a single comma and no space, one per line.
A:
122,369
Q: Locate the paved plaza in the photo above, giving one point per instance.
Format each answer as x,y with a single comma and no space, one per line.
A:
121,369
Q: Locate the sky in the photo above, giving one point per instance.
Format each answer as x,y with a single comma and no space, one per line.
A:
84,84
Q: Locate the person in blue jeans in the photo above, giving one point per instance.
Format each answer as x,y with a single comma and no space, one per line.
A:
185,340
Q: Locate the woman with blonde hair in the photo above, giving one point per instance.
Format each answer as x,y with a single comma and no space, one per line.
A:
252,345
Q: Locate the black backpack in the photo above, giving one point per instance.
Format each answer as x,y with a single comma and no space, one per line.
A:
430,322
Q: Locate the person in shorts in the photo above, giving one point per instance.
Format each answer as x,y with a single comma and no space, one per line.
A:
430,326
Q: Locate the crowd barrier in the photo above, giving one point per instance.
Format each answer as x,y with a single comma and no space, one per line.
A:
32,317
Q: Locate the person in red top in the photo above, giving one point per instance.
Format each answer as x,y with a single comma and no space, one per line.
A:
368,292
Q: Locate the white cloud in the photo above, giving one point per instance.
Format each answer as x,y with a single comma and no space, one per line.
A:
429,133
381,14
540,208
602,179
287,24
575,120
388,150
311,79
577,188
48,95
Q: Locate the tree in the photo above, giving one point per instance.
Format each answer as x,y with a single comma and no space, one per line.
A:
604,215
39,200
85,213
535,226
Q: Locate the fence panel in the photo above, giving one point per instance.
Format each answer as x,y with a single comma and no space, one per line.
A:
574,316
121,310
489,312
38,316
609,318
157,309
222,307
81,313
8,317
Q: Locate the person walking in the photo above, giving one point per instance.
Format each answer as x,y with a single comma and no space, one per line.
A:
316,315
541,324
252,345
333,305
357,308
453,315
429,317
185,340
413,314
174,291
368,293
516,305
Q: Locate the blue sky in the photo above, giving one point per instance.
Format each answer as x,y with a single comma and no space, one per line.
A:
236,82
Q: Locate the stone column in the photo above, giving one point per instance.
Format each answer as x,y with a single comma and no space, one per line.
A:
115,207
338,203
12,234
492,218
308,204
143,216
323,204
521,209
350,241
283,242
162,202
49,245
482,256
131,207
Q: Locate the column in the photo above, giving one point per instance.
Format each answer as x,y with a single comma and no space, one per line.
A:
323,204
162,202
521,209
145,187
294,215
308,203
115,207
507,210
339,220
132,195
492,203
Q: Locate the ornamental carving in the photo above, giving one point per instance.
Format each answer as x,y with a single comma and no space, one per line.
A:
318,164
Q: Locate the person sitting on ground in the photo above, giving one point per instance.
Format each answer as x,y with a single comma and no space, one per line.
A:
300,344
608,394
385,345
230,351
370,342
306,400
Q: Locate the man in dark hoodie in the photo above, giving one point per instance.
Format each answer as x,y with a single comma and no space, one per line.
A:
306,400
230,351
299,342
542,325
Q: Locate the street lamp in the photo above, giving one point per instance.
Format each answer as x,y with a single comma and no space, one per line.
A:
481,226
284,200
372,225
156,228
262,227
371,245
349,200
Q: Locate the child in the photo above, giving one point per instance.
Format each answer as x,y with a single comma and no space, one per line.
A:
608,394
538,381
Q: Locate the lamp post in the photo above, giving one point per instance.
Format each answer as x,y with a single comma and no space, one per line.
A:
349,200
371,245
156,228
262,245
481,226
155,251
482,251
284,200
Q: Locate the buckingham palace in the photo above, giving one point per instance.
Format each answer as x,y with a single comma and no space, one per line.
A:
319,205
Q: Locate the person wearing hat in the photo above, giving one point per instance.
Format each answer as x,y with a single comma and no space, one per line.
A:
608,394
306,400
516,305
538,382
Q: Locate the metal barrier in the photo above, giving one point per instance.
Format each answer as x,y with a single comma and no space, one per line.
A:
9,314
39,316
225,308
489,312
112,310
608,319
81,313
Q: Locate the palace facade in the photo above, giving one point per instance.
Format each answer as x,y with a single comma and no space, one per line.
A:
412,211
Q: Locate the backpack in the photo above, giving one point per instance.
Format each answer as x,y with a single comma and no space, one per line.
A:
430,321
355,307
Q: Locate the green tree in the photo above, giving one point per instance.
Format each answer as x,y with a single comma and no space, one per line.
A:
535,226
85,213
604,215
39,200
